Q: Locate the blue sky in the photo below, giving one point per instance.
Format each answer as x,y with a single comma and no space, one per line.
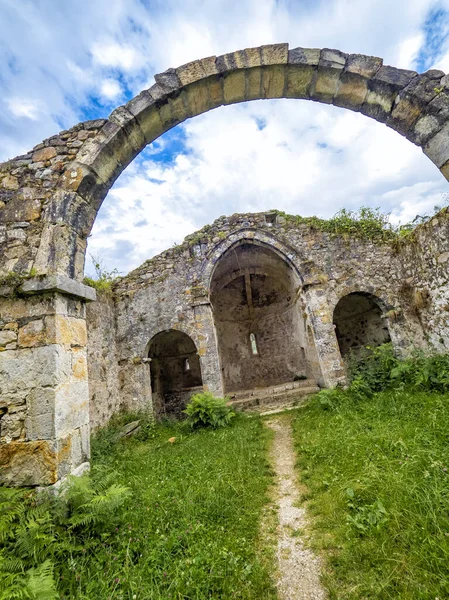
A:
62,62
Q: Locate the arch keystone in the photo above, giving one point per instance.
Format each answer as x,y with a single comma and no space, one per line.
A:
274,54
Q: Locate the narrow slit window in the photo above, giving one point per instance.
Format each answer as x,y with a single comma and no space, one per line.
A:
186,365
253,343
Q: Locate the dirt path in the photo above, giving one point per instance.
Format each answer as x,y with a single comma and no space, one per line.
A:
298,567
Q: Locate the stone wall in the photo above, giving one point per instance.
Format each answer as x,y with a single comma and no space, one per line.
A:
44,424
103,366
174,291
425,290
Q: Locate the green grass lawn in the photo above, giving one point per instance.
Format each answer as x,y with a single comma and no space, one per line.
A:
377,473
190,529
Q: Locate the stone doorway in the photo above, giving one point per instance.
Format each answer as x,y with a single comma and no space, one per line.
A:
359,322
175,371
260,328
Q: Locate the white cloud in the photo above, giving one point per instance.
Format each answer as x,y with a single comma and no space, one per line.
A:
110,89
117,56
408,51
24,107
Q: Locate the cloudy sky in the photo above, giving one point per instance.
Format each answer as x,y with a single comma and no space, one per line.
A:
64,61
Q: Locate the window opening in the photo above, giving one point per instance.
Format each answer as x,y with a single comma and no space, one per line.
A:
186,365
253,342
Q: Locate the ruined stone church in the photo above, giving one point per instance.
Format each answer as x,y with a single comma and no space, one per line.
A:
254,306
262,309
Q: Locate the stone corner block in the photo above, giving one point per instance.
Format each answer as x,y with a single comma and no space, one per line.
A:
27,463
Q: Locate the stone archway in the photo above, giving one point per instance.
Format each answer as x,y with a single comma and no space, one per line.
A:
359,322
260,328
175,371
50,196
71,173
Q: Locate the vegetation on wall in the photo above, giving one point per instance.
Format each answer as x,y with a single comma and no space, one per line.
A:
364,223
103,279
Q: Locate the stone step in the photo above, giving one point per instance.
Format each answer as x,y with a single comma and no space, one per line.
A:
280,401
272,390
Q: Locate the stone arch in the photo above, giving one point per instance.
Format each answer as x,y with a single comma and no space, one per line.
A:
175,371
359,320
415,105
254,291
253,236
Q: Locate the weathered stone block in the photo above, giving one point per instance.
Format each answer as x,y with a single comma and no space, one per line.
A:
40,427
9,183
424,129
253,83
273,81
234,87
35,333
70,332
27,463
299,79
274,54
44,154
168,80
197,98
365,66
304,56
231,61
190,72
328,73
382,90
437,148
6,337
253,57
71,406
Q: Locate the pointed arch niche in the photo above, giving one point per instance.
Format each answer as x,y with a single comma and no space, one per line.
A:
260,328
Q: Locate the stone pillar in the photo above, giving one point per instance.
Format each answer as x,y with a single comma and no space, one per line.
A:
326,343
208,347
44,399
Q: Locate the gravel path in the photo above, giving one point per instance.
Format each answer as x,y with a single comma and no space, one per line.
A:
298,567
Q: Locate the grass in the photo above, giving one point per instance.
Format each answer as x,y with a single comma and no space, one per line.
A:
191,528
377,472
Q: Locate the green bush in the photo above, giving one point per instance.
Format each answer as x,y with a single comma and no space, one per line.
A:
373,366
205,410
378,369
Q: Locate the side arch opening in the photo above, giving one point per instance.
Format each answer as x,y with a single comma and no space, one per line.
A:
175,371
358,320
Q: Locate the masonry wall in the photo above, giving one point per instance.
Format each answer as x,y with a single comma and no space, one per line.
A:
103,366
426,278
171,291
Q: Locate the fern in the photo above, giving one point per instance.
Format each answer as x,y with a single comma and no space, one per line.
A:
38,531
41,584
